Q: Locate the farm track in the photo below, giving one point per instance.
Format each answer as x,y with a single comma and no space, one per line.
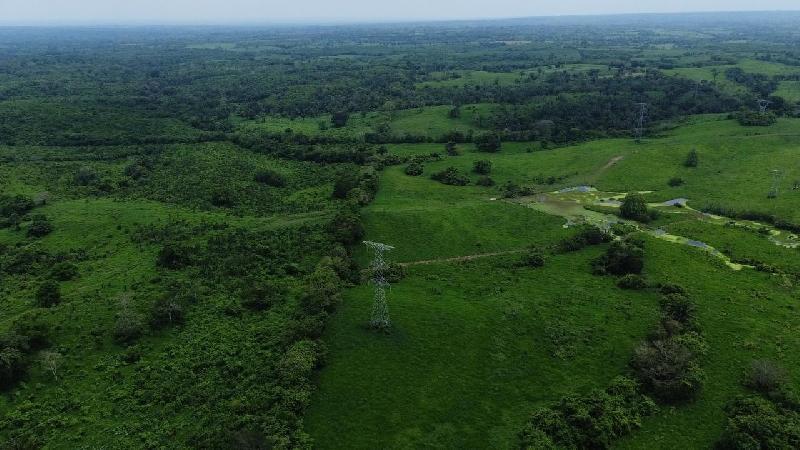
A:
459,258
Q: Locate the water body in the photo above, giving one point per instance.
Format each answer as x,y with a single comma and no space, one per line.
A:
570,204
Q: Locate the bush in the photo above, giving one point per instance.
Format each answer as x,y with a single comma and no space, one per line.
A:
64,271
344,184
129,325
621,258
675,181
15,205
270,178
339,119
48,294
489,142
261,296
451,149
39,227
634,207
451,176
668,367
691,159
533,258
482,167
166,311
756,423
765,376
485,181
346,228
756,119
591,421
632,282
678,307
414,169
85,176
587,235
173,256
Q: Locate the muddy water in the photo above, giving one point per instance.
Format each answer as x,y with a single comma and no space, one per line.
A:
571,204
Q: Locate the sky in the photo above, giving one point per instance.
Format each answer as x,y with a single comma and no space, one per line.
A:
272,11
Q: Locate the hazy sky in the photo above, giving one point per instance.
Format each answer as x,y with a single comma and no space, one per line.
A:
224,11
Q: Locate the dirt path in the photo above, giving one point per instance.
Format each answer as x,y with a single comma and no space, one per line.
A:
611,163
460,258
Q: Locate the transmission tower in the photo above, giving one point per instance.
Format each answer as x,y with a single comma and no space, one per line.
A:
776,183
638,131
763,104
380,309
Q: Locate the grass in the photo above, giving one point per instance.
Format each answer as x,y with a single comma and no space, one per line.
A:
469,357
478,344
789,90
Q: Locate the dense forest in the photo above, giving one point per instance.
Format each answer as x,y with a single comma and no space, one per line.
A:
183,209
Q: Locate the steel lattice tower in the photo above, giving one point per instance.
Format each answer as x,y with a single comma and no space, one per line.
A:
380,309
638,131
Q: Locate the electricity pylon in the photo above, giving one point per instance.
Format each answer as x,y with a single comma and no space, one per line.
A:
638,131
380,309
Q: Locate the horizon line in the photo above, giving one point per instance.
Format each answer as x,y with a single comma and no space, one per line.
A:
340,22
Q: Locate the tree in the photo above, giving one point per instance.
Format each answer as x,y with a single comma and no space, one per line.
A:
39,227
51,361
48,294
451,149
414,169
339,119
489,142
483,167
129,324
634,207
344,184
451,176
691,159
270,178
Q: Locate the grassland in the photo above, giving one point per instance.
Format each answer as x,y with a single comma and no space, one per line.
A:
479,343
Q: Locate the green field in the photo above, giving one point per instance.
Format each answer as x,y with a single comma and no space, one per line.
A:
478,343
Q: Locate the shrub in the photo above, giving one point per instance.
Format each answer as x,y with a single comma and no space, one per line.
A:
13,364
765,376
64,271
594,420
451,149
621,258
482,167
339,119
451,176
756,423
15,205
489,142
634,207
587,235
260,296
632,282
347,228
129,325
85,176
756,119
678,307
48,294
485,181
692,159
668,367
223,198
414,169
166,311
344,184
173,256
675,181
533,258
270,178
39,227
